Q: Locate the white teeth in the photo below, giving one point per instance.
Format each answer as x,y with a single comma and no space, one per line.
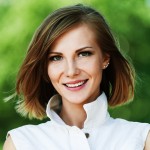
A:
76,84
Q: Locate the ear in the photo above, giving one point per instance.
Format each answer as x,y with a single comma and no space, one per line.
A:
106,60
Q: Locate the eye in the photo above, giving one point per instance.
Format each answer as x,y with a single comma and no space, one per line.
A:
85,54
55,58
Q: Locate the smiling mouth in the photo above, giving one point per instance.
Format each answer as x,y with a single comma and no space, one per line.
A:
78,84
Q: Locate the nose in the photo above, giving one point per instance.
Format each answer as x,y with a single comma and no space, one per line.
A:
71,69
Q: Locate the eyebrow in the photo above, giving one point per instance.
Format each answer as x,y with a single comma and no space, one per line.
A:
77,51
86,47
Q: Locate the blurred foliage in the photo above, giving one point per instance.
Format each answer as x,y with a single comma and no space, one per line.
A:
129,20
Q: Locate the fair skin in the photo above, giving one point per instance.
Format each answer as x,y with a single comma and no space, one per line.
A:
75,70
147,144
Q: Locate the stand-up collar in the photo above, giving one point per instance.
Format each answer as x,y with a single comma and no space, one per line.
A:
96,111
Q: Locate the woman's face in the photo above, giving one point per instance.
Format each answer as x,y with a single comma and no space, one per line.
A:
75,65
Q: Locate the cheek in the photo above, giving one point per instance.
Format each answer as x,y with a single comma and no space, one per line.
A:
94,65
54,72
95,68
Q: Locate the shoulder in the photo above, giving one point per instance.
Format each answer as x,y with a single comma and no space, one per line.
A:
147,144
33,127
29,130
24,135
122,123
136,128
9,145
138,131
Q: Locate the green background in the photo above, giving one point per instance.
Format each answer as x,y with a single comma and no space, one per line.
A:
129,20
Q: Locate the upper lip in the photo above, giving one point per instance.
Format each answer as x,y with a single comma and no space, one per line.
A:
74,82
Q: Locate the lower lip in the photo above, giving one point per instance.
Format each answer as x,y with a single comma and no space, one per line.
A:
76,88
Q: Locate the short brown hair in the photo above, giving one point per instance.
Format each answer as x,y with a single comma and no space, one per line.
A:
33,82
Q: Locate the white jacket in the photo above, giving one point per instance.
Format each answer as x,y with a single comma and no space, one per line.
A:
105,133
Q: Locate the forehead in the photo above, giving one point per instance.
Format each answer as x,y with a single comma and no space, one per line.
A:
79,36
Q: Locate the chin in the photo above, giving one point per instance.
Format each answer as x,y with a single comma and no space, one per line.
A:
77,99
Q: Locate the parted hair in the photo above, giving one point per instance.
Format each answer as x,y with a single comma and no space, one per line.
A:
33,85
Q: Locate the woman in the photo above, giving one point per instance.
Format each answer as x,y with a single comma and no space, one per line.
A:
73,60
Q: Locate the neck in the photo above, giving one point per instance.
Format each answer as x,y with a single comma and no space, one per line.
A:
73,115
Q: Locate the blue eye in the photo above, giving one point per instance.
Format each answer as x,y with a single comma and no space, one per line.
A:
55,58
85,54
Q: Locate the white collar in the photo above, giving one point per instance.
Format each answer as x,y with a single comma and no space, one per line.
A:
96,111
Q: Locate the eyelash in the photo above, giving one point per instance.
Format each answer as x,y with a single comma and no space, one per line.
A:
85,54
81,54
55,58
